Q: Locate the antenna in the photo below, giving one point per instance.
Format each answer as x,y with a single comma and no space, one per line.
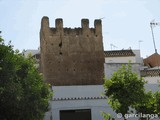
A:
140,44
113,46
154,24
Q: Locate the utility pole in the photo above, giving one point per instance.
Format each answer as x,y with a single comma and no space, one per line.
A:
153,24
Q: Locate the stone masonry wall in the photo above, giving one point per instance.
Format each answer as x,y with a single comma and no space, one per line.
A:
71,56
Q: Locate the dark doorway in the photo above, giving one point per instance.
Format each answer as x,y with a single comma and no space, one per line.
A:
79,114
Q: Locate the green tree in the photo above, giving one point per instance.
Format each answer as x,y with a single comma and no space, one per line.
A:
23,93
107,116
149,105
124,90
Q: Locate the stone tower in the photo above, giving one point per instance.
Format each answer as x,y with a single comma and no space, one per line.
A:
72,56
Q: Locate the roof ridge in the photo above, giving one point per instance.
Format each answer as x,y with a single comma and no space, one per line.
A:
119,53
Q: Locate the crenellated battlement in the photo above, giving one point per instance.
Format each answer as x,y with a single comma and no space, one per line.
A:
83,30
71,56
73,31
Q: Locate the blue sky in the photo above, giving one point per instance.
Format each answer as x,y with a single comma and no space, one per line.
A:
125,22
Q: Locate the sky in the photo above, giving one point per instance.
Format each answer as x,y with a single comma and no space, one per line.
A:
125,23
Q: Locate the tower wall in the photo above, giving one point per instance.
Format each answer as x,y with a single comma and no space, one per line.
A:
72,56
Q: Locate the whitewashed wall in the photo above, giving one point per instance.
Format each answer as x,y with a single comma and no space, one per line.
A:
152,80
120,59
90,97
110,68
87,97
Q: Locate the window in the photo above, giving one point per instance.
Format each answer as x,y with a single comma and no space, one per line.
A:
79,114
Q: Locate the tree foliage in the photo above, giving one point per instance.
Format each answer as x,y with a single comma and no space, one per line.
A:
150,104
124,90
23,93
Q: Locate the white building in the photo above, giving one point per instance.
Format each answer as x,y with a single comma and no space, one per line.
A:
116,58
152,76
34,53
87,101
30,52
120,56
78,102
151,69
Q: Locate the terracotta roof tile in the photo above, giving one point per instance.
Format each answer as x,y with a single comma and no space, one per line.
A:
119,53
152,61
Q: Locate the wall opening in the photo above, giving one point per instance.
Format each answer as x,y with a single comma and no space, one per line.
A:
79,114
